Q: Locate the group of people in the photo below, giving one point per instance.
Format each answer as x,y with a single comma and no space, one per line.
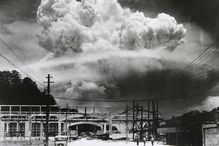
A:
145,137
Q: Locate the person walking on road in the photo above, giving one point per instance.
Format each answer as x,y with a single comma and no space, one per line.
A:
144,140
137,138
152,140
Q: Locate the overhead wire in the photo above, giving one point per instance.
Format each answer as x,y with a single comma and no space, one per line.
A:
194,65
20,60
204,54
202,59
211,72
9,61
200,56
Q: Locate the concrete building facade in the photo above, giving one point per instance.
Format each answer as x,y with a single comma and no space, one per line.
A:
30,120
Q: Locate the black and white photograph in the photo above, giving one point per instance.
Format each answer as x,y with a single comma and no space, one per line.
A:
109,73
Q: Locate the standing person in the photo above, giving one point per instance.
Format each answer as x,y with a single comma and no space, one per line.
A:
152,140
137,137
144,139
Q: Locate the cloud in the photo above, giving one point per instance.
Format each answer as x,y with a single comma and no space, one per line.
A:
18,28
100,49
207,104
13,10
194,11
83,26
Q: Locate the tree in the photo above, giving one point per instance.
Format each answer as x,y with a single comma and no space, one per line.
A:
15,90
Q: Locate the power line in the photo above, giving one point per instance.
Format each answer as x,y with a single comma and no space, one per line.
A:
202,59
203,55
200,56
11,50
9,61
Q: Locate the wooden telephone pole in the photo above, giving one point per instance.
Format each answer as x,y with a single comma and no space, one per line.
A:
47,110
133,120
127,121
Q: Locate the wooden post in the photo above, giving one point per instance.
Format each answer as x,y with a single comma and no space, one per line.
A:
85,112
127,129
30,126
141,122
110,121
149,117
133,120
47,110
47,125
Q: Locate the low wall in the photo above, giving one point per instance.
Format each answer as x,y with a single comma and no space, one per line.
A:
211,136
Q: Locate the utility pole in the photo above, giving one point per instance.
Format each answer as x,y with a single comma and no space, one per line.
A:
68,131
133,120
127,129
157,116
66,119
47,110
148,121
30,125
110,121
153,117
85,112
141,122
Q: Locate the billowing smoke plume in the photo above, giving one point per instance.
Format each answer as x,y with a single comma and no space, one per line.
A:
99,49
103,25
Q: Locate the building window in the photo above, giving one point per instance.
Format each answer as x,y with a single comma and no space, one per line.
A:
62,127
12,130
22,129
5,109
35,131
53,129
